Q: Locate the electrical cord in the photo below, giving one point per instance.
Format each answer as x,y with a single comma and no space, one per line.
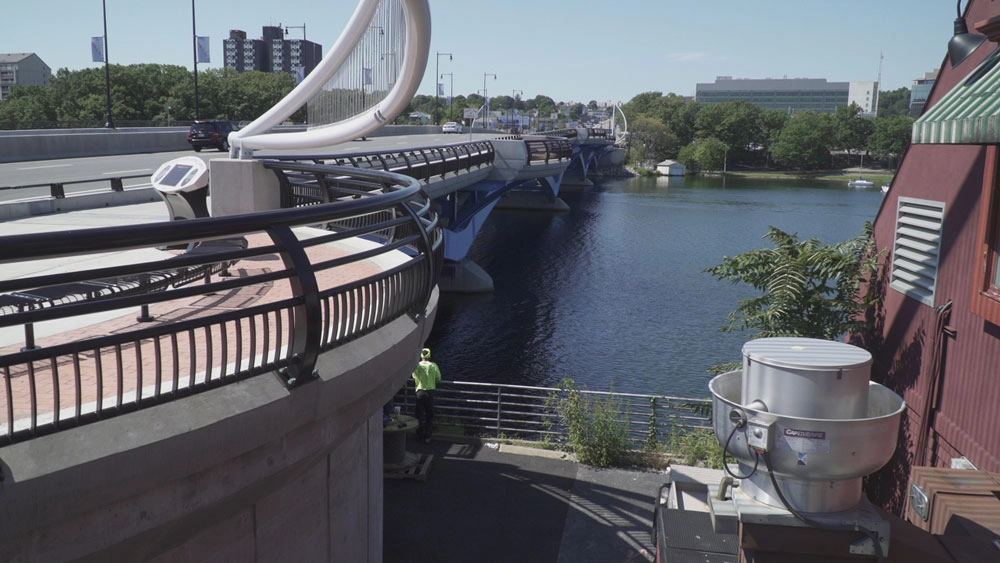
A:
879,557
739,421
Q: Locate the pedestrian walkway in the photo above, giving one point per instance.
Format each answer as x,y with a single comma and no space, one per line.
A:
488,502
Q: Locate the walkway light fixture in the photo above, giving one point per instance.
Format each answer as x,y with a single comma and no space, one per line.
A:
963,43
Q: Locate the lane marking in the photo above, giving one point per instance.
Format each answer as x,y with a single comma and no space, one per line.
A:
47,166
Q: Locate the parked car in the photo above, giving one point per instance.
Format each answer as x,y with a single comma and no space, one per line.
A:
451,127
211,133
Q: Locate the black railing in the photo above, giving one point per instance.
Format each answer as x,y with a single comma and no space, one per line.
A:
287,292
532,413
424,163
547,150
57,190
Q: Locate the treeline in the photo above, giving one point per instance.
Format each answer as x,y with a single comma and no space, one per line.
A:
739,134
146,93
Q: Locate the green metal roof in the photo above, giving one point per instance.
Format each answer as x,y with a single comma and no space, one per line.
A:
969,114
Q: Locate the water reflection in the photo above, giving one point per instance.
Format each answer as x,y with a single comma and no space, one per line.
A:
612,293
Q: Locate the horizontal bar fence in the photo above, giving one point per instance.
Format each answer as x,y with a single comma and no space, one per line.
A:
532,413
57,190
255,293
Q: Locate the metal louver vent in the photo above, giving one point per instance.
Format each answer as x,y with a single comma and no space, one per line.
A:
916,248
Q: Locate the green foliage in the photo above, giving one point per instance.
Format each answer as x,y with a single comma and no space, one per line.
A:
805,141
894,103
597,431
808,289
652,141
891,136
698,447
850,129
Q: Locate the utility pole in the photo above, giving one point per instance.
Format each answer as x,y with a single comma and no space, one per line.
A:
110,124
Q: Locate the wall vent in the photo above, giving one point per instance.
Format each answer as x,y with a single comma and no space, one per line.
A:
916,248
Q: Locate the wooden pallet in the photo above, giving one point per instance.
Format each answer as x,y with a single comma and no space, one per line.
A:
417,471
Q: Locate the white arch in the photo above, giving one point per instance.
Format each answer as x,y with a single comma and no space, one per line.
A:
418,36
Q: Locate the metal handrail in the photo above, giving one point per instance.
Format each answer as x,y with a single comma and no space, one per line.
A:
57,189
548,149
531,413
421,163
72,379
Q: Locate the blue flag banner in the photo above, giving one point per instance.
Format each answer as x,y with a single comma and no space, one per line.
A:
204,56
300,74
97,49
440,88
367,76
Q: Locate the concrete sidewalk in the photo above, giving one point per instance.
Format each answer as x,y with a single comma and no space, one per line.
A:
485,502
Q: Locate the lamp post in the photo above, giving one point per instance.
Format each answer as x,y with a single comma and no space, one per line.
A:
451,94
437,65
110,124
513,110
486,97
194,42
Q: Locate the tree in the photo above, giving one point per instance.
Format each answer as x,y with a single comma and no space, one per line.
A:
651,139
772,121
576,111
850,129
804,142
894,102
736,124
807,288
891,137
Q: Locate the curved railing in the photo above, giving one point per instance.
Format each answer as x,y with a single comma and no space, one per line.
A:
548,149
287,292
422,163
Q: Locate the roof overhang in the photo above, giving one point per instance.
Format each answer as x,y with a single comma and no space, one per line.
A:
967,115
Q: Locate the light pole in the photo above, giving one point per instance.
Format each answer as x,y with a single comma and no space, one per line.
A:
194,41
107,70
513,110
451,94
437,65
486,96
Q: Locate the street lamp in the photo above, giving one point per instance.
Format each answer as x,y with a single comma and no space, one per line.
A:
486,96
107,70
194,41
513,110
451,94
437,65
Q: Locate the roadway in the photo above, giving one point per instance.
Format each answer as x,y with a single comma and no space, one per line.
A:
99,167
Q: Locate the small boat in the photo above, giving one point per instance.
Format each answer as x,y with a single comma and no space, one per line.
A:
885,188
861,182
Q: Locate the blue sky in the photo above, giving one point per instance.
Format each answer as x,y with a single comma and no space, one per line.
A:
571,50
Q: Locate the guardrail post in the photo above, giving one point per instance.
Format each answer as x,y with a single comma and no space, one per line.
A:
116,185
57,191
306,318
29,337
499,409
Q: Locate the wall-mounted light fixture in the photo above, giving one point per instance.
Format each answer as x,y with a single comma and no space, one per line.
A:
963,43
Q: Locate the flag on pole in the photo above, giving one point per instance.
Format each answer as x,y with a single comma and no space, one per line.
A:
97,49
440,88
300,74
367,76
204,55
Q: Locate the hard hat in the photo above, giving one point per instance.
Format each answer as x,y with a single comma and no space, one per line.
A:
425,354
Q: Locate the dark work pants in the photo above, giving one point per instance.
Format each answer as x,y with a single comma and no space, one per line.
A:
425,414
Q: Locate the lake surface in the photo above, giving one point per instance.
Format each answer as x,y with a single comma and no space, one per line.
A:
613,294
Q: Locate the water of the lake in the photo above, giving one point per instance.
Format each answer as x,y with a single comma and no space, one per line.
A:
612,293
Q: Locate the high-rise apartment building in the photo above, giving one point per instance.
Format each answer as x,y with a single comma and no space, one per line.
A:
22,69
271,53
789,94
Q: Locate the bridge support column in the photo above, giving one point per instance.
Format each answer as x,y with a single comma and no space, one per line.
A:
464,276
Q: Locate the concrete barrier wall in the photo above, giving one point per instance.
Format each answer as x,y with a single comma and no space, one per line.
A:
21,146
251,471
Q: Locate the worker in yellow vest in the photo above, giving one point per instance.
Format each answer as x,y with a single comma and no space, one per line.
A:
426,376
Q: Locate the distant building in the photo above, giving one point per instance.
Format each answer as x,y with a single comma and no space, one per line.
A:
271,53
789,94
671,168
22,69
920,91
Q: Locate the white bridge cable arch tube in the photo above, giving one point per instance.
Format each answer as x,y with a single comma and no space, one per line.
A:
367,78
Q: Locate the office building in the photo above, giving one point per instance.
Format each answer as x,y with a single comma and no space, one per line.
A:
920,91
22,69
789,94
271,53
